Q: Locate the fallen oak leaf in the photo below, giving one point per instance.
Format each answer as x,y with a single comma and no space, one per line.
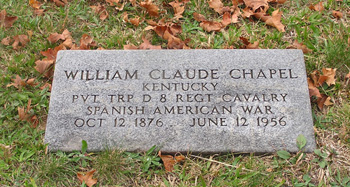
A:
180,158
46,85
337,14
39,12
6,41
297,45
217,5
51,54
199,17
20,39
101,11
321,101
60,2
211,26
248,45
130,47
87,178
347,76
274,20
169,161
35,4
45,67
317,7
17,82
54,37
151,8
6,21
112,2
276,1
25,115
257,6
177,43
147,45
236,13
330,74
226,19
313,90
86,42
314,77
179,8
247,12
135,21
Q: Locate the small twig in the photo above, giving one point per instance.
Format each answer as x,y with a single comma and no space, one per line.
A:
225,164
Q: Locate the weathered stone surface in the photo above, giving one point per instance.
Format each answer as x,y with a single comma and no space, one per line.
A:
180,100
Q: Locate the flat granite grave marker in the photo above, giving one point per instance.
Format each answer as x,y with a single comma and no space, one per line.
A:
180,100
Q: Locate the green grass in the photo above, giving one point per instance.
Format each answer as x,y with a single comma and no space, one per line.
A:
23,159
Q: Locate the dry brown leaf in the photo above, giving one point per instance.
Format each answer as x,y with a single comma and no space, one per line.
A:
45,67
210,26
125,17
217,5
180,158
60,2
177,43
147,45
275,21
247,12
151,22
330,73
35,4
317,7
257,6
199,17
54,37
328,102
20,39
226,19
130,47
86,42
168,161
6,41
321,101
152,9
276,1
120,7
314,77
248,45
112,2
6,21
17,82
179,8
24,114
135,21
347,76
39,12
51,54
337,14
87,178
100,10
46,85
297,45
313,90
236,13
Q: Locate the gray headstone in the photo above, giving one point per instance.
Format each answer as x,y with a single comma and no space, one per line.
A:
180,100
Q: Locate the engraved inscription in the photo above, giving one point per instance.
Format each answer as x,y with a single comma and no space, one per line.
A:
203,102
